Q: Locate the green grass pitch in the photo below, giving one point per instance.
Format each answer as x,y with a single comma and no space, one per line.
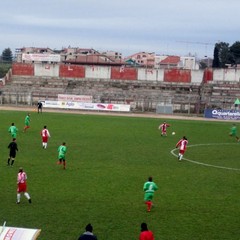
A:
108,160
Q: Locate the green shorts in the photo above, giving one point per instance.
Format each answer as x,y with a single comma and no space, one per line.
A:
233,134
14,135
148,196
62,157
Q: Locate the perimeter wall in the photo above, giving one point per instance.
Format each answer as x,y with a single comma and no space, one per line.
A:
126,73
107,72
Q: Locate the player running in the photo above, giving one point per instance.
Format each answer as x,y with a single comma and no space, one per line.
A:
13,131
163,128
27,122
22,186
149,188
233,132
182,145
13,148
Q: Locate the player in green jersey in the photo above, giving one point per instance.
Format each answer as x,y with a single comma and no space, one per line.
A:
62,149
26,122
233,132
13,130
149,188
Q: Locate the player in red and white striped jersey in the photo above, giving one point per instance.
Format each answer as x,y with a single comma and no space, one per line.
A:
22,186
45,135
182,145
163,128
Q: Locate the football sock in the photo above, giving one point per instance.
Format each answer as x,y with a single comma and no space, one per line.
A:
8,161
12,162
18,197
27,195
149,205
64,165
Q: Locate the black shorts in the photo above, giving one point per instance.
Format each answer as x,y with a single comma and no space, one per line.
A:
12,154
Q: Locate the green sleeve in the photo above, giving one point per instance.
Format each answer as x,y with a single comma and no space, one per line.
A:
144,187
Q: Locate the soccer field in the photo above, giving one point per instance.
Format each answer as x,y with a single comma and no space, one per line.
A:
108,160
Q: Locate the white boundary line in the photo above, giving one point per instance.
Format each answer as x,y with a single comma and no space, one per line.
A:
205,164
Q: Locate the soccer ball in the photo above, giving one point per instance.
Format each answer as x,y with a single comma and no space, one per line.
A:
173,133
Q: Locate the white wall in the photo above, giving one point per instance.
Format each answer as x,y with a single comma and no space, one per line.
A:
226,75
42,69
160,75
197,76
98,72
150,74
147,74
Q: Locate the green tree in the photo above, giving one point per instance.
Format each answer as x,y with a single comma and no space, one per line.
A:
222,55
216,63
7,55
235,53
4,67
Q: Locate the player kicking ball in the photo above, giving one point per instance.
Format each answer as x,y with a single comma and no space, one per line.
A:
163,127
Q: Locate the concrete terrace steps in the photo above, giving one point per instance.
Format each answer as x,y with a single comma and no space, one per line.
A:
141,92
38,81
33,88
222,100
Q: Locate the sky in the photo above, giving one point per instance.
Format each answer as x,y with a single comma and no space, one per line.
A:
170,27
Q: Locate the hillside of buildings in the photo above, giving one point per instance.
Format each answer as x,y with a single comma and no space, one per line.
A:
140,80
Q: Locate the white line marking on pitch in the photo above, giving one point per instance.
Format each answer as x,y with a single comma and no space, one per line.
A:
205,164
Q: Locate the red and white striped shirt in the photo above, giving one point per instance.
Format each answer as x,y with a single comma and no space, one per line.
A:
182,144
22,177
164,127
45,133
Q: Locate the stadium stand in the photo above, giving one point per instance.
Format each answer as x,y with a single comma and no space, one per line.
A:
29,84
